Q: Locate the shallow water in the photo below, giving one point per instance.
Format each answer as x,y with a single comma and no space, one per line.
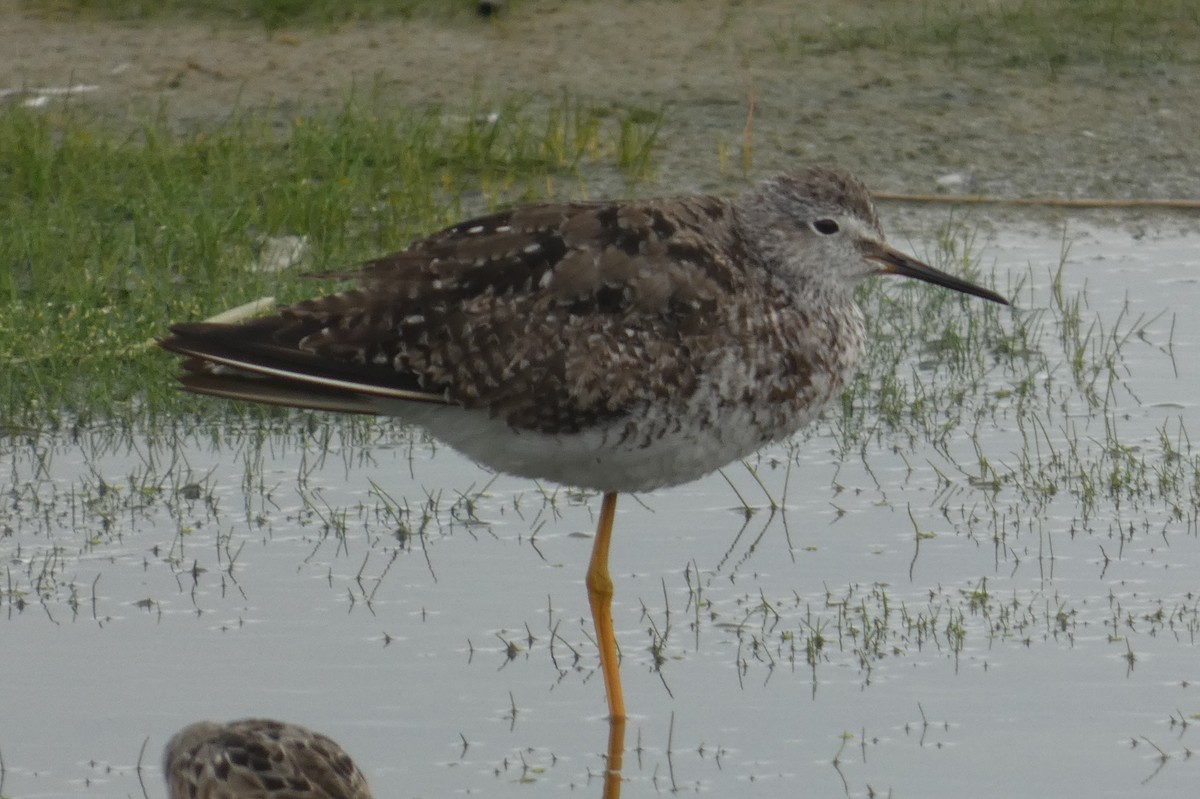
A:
1038,635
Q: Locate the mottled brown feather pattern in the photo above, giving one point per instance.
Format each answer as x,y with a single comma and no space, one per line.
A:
696,328
549,316
259,759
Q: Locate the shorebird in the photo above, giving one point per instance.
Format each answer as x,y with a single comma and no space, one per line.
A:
258,759
614,346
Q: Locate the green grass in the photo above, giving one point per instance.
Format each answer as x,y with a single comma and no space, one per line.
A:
1009,33
105,237
270,13
1024,415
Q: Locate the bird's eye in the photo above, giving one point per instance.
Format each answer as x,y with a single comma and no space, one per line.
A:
826,227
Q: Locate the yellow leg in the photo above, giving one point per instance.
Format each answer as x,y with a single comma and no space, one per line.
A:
616,750
600,593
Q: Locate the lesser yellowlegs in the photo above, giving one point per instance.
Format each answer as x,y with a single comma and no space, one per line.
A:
259,759
615,346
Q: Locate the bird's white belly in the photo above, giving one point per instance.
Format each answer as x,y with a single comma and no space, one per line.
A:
658,446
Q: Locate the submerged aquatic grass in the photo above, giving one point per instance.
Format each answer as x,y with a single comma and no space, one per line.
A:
1029,479
106,237
1015,422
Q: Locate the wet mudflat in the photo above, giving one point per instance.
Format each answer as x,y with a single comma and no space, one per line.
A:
979,575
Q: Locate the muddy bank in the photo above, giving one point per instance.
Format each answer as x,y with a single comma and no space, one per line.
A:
905,122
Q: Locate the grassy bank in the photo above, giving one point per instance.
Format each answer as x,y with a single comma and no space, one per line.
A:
1015,33
105,238
270,13
1038,34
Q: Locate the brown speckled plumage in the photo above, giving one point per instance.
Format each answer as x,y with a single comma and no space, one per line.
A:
258,759
641,328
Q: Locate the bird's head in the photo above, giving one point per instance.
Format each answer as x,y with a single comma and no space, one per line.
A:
818,226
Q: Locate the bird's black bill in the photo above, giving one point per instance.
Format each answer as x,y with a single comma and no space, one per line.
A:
897,263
